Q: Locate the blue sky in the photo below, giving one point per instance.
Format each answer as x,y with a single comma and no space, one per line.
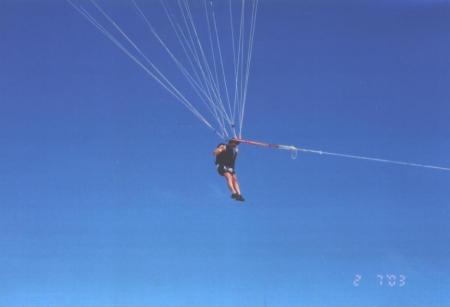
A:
109,194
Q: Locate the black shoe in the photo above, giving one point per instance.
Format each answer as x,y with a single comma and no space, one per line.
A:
239,198
234,195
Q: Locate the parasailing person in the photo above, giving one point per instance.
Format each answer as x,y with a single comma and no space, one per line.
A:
225,162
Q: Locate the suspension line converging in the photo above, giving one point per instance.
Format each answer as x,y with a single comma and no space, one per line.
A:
215,69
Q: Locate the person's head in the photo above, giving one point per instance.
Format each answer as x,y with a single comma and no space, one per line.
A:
221,145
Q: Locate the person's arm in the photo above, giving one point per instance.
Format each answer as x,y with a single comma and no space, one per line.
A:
218,150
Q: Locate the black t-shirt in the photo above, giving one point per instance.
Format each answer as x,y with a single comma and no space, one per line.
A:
227,157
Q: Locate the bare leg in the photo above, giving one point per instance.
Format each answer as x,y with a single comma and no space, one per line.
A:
236,185
230,181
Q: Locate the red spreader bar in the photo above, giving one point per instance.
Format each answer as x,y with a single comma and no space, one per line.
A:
293,149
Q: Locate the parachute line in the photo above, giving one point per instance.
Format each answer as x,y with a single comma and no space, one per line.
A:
199,90
155,74
219,93
249,59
